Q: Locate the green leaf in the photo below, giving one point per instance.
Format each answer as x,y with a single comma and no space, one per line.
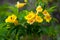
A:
51,9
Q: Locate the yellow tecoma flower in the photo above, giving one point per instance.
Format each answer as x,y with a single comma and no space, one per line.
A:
45,13
11,18
20,5
47,18
31,15
39,9
31,21
38,19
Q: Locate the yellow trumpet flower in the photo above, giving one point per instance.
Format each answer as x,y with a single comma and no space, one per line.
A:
45,13
31,15
31,21
47,18
20,5
38,19
39,9
11,18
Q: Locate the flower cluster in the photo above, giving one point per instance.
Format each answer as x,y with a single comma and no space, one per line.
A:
47,16
33,17
25,23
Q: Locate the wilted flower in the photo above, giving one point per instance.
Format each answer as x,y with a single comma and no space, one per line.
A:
20,5
16,22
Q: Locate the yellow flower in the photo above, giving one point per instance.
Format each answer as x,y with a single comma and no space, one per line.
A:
31,21
39,9
45,12
38,19
20,5
11,18
16,22
47,18
31,15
